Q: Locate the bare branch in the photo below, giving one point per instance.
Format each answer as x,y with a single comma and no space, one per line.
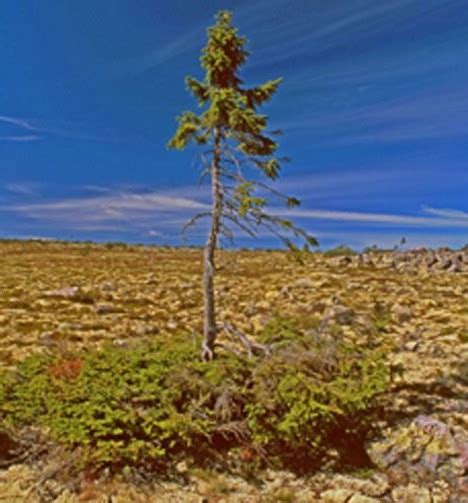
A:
251,347
242,226
193,221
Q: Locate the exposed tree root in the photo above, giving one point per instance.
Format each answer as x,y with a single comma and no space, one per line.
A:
253,348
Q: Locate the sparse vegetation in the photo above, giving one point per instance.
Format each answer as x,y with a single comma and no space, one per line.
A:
114,357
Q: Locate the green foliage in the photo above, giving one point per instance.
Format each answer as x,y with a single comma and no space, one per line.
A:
229,107
339,251
231,125
382,317
121,406
157,403
314,391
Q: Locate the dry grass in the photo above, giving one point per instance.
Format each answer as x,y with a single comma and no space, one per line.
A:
128,292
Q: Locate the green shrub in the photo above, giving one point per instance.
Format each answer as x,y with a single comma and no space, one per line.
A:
157,403
122,406
339,251
315,392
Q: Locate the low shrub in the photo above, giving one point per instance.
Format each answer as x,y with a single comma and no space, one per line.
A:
339,251
156,403
315,392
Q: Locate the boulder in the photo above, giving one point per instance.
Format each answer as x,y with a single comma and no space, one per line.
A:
423,452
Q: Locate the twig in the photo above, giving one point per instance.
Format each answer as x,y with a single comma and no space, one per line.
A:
250,346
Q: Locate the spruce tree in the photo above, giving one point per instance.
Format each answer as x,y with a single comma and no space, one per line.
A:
237,149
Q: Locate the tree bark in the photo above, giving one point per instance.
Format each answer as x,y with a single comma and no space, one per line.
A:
209,268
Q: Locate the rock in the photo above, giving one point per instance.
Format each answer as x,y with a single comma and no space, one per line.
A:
108,287
341,261
63,293
377,485
445,263
339,314
366,259
425,451
302,283
46,339
359,498
444,260
317,307
67,497
15,483
440,492
271,295
263,306
182,467
411,345
411,494
463,487
401,314
104,309
171,325
455,266
336,495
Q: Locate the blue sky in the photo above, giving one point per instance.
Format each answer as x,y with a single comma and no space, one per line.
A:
374,109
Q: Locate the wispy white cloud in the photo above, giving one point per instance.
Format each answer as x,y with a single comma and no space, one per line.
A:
413,184
34,130
123,211
153,58
288,33
154,233
398,89
22,188
447,213
25,138
375,218
22,124
160,211
16,121
188,40
412,116
97,188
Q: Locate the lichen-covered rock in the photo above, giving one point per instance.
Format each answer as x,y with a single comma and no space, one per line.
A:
16,483
426,451
411,494
401,314
360,498
375,486
302,283
339,314
336,495
68,292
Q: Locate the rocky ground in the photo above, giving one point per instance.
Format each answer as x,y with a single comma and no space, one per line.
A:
75,295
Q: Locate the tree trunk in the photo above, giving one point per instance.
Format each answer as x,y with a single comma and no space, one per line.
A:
209,325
